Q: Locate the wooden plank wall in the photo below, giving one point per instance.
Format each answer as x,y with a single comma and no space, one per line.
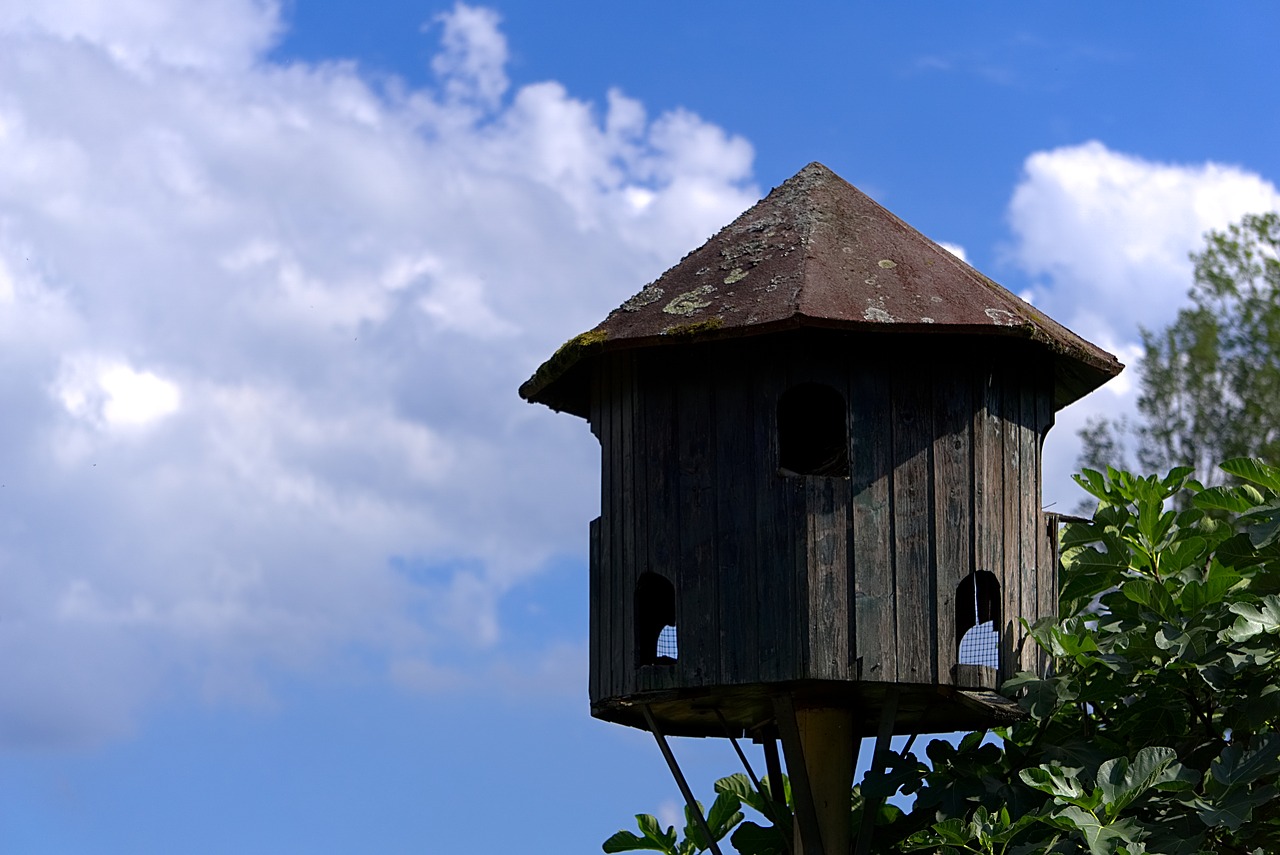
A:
913,534
597,656
826,556
870,463
822,508
658,491
630,525
785,577
735,466
1011,576
698,590
780,506
1010,570
1008,432
953,469
1029,515
605,664
1047,540
989,492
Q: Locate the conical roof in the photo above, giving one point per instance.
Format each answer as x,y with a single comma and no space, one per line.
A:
817,252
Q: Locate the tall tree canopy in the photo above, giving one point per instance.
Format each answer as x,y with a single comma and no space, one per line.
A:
1211,379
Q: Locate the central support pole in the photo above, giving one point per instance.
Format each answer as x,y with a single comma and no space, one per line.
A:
819,744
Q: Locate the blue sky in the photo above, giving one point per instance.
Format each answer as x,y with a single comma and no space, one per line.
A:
285,564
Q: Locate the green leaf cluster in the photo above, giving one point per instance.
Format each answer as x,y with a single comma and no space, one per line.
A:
726,816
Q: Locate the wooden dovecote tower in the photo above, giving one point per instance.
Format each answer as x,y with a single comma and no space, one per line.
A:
820,476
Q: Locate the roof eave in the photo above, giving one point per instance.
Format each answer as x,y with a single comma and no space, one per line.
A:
561,382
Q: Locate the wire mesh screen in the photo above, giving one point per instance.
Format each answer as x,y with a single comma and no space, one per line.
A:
667,645
980,646
978,613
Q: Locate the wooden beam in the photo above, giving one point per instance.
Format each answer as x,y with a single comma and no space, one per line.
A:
680,781
871,807
819,744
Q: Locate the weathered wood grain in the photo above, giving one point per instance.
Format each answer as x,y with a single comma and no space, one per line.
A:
871,483
629,546
777,617
1011,587
657,488
1029,504
596,666
827,506
697,514
735,480
782,577
916,611
611,681
989,492
953,502
1047,551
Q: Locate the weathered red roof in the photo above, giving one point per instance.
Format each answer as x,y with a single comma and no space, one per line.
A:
818,252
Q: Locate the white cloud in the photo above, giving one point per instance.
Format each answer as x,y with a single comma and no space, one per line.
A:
263,329
111,394
955,249
1106,236
7,289
215,33
473,57
669,814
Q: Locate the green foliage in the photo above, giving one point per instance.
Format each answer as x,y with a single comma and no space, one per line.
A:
731,794
1156,730
1211,379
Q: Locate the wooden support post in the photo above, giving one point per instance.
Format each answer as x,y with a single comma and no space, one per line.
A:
689,800
773,767
819,746
871,807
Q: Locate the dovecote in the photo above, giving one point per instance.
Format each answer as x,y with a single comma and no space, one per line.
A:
820,443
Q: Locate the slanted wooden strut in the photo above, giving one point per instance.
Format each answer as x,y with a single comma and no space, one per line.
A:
871,807
767,799
680,780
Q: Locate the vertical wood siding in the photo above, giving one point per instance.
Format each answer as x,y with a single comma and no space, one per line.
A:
737,560
917,617
783,577
871,456
778,508
953,503
1029,516
826,554
697,574
989,513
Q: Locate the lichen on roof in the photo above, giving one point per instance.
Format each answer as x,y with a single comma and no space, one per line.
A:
694,329
566,355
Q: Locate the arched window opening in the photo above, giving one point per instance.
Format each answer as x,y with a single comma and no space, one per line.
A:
978,620
813,433
655,621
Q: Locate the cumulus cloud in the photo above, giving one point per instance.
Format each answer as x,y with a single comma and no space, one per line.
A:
263,328
1106,237
473,56
220,33
111,394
